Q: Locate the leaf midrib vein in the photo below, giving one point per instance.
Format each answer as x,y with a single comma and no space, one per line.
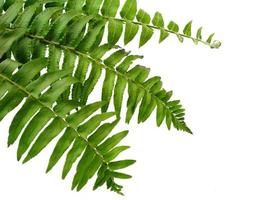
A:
68,125
155,27
102,65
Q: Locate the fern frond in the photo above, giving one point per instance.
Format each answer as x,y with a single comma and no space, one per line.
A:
117,66
48,117
131,20
52,55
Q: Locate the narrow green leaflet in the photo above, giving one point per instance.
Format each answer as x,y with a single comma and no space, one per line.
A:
92,6
158,20
163,35
11,13
75,4
143,16
187,29
111,142
210,38
131,30
114,32
121,164
31,131
7,38
110,7
60,24
199,33
61,147
172,26
54,128
129,9
146,35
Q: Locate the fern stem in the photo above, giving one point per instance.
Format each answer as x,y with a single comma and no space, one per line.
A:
101,64
157,28
57,115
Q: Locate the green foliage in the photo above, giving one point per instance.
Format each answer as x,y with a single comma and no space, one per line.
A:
52,56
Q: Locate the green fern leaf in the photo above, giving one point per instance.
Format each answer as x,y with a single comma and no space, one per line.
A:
114,32
110,7
39,110
52,57
129,9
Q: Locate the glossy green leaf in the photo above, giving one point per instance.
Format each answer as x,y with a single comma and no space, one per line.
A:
107,89
111,155
50,132
158,20
90,172
21,119
88,127
32,130
187,29
91,36
102,132
143,16
77,148
24,19
127,62
131,30
129,9
146,35
111,142
39,85
199,33
62,145
120,175
8,66
91,81
76,30
75,4
40,24
57,89
23,50
115,58
118,94
78,117
163,35
110,7
114,31
210,38
59,25
161,113
11,13
92,7
83,166
7,38
121,164
172,26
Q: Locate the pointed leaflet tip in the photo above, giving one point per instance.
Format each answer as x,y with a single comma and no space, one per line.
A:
79,187
72,187
64,174
9,140
18,157
48,169
26,160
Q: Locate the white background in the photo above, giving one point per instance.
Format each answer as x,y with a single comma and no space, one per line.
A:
224,93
